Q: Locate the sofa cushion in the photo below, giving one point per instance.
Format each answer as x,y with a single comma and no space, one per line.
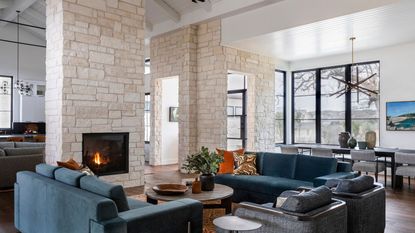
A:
309,167
24,151
260,184
46,170
307,201
356,185
111,191
2,152
6,145
29,144
68,176
278,165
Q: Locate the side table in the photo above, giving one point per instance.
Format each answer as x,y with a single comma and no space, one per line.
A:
234,224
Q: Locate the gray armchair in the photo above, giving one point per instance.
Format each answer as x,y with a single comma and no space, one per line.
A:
365,210
327,219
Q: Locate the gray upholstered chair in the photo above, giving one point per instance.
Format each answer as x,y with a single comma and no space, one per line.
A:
286,149
408,165
322,152
327,219
365,210
366,161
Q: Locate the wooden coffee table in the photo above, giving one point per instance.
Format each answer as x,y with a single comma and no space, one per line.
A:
221,192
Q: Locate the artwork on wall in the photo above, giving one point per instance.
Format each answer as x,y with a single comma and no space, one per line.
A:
173,114
400,116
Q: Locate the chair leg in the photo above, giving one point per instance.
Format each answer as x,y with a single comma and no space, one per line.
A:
376,176
409,181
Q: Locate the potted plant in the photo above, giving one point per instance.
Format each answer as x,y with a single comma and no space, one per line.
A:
205,163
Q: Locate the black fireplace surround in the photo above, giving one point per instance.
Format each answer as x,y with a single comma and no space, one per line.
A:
105,153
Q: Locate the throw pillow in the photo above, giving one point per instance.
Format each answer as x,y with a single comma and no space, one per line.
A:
307,201
70,164
247,165
227,166
283,197
356,185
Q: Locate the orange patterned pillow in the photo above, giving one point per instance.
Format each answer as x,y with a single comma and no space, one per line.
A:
228,164
70,164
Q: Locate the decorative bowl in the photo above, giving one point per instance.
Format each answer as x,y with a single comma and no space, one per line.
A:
170,189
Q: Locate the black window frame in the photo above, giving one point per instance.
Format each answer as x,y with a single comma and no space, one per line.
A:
243,117
11,103
348,107
284,108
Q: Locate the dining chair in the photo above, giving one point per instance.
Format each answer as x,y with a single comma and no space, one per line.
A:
408,165
322,152
366,161
285,149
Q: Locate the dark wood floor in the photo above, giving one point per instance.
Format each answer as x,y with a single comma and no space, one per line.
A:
400,205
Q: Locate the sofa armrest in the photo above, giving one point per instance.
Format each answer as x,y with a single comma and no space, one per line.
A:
319,181
175,216
344,166
10,165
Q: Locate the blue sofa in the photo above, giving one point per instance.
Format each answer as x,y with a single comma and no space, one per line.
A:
281,172
61,200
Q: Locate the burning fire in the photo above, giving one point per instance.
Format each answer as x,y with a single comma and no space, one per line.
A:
99,159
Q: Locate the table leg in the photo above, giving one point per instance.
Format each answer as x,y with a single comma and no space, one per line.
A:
152,201
227,204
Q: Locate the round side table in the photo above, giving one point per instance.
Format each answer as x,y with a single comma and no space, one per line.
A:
234,224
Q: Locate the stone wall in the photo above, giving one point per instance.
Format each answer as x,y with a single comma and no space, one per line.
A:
95,73
174,54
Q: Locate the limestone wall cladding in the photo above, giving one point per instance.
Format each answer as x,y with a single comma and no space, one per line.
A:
174,54
95,73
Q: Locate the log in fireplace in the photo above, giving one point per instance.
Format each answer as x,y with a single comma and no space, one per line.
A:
105,153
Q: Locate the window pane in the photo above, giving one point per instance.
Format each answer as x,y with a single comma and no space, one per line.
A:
5,102
234,144
305,131
305,107
236,82
234,127
305,83
330,130
279,106
361,127
279,131
147,119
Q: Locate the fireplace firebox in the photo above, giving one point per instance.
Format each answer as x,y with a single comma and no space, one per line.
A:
105,153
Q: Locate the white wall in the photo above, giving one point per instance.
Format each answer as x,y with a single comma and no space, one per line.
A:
397,83
32,68
170,130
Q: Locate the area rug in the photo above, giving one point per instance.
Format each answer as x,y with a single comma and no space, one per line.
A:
208,215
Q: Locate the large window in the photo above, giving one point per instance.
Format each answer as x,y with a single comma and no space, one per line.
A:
280,90
6,97
304,114
323,107
147,119
236,110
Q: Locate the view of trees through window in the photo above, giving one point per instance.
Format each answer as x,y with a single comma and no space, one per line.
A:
322,108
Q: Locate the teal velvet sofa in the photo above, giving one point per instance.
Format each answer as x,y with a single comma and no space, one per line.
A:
61,200
281,172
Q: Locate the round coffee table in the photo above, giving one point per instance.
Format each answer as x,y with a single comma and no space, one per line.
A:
236,224
221,192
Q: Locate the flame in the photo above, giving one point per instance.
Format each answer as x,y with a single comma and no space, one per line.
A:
99,159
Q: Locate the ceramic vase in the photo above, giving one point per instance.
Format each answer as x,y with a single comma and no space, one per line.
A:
362,145
352,142
343,139
208,182
371,139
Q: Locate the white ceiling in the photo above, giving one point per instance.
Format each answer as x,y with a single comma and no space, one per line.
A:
388,25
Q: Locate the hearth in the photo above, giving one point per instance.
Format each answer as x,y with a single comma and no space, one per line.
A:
105,153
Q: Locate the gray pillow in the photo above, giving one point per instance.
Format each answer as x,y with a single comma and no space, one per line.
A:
308,201
284,195
2,152
6,145
29,145
24,151
332,183
356,185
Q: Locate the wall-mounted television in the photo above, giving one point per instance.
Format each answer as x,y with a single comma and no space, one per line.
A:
400,116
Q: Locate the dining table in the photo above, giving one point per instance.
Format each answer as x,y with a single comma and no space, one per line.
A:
380,152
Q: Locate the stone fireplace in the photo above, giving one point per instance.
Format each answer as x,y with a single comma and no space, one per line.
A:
105,153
